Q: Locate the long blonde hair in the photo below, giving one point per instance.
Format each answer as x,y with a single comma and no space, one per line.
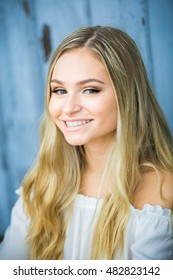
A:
142,141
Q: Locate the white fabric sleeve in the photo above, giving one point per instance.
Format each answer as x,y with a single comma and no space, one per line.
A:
153,234
14,245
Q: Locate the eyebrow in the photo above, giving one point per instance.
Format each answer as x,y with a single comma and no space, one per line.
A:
79,83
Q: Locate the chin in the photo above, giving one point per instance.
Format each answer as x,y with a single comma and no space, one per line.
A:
74,142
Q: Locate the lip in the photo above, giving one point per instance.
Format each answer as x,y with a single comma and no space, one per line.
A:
75,120
77,127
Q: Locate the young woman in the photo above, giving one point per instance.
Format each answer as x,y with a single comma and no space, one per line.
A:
102,186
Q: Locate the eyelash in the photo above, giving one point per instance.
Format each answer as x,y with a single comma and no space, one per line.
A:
63,91
92,90
57,91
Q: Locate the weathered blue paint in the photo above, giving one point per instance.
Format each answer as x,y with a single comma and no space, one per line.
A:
23,66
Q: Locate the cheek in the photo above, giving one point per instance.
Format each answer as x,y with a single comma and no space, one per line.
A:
54,109
111,112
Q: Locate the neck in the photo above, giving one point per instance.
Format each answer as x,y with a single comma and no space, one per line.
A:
95,156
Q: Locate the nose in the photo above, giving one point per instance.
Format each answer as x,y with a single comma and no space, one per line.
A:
71,104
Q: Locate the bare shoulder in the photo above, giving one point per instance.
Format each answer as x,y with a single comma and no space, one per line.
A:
148,191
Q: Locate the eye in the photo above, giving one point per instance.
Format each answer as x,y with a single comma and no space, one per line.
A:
59,91
91,91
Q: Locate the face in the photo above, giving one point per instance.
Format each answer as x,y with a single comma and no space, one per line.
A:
82,102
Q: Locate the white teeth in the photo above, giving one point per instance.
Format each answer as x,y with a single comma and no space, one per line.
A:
76,123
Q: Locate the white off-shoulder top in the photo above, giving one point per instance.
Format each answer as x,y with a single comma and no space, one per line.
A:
149,233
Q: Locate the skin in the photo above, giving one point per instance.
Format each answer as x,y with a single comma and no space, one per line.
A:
148,191
82,91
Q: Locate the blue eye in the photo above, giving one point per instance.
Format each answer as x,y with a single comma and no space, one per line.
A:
91,90
59,91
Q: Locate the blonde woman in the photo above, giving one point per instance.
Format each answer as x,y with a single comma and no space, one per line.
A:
102,186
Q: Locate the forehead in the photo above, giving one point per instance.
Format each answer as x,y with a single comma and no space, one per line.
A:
80,62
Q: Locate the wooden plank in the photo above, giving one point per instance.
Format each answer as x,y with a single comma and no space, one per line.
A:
161,25
5,203
22,94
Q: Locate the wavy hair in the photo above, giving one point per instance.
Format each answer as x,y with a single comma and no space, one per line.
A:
142,141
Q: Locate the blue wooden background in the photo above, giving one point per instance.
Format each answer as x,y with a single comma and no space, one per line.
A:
29,31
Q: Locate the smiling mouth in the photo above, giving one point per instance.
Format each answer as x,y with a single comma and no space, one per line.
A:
76,123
